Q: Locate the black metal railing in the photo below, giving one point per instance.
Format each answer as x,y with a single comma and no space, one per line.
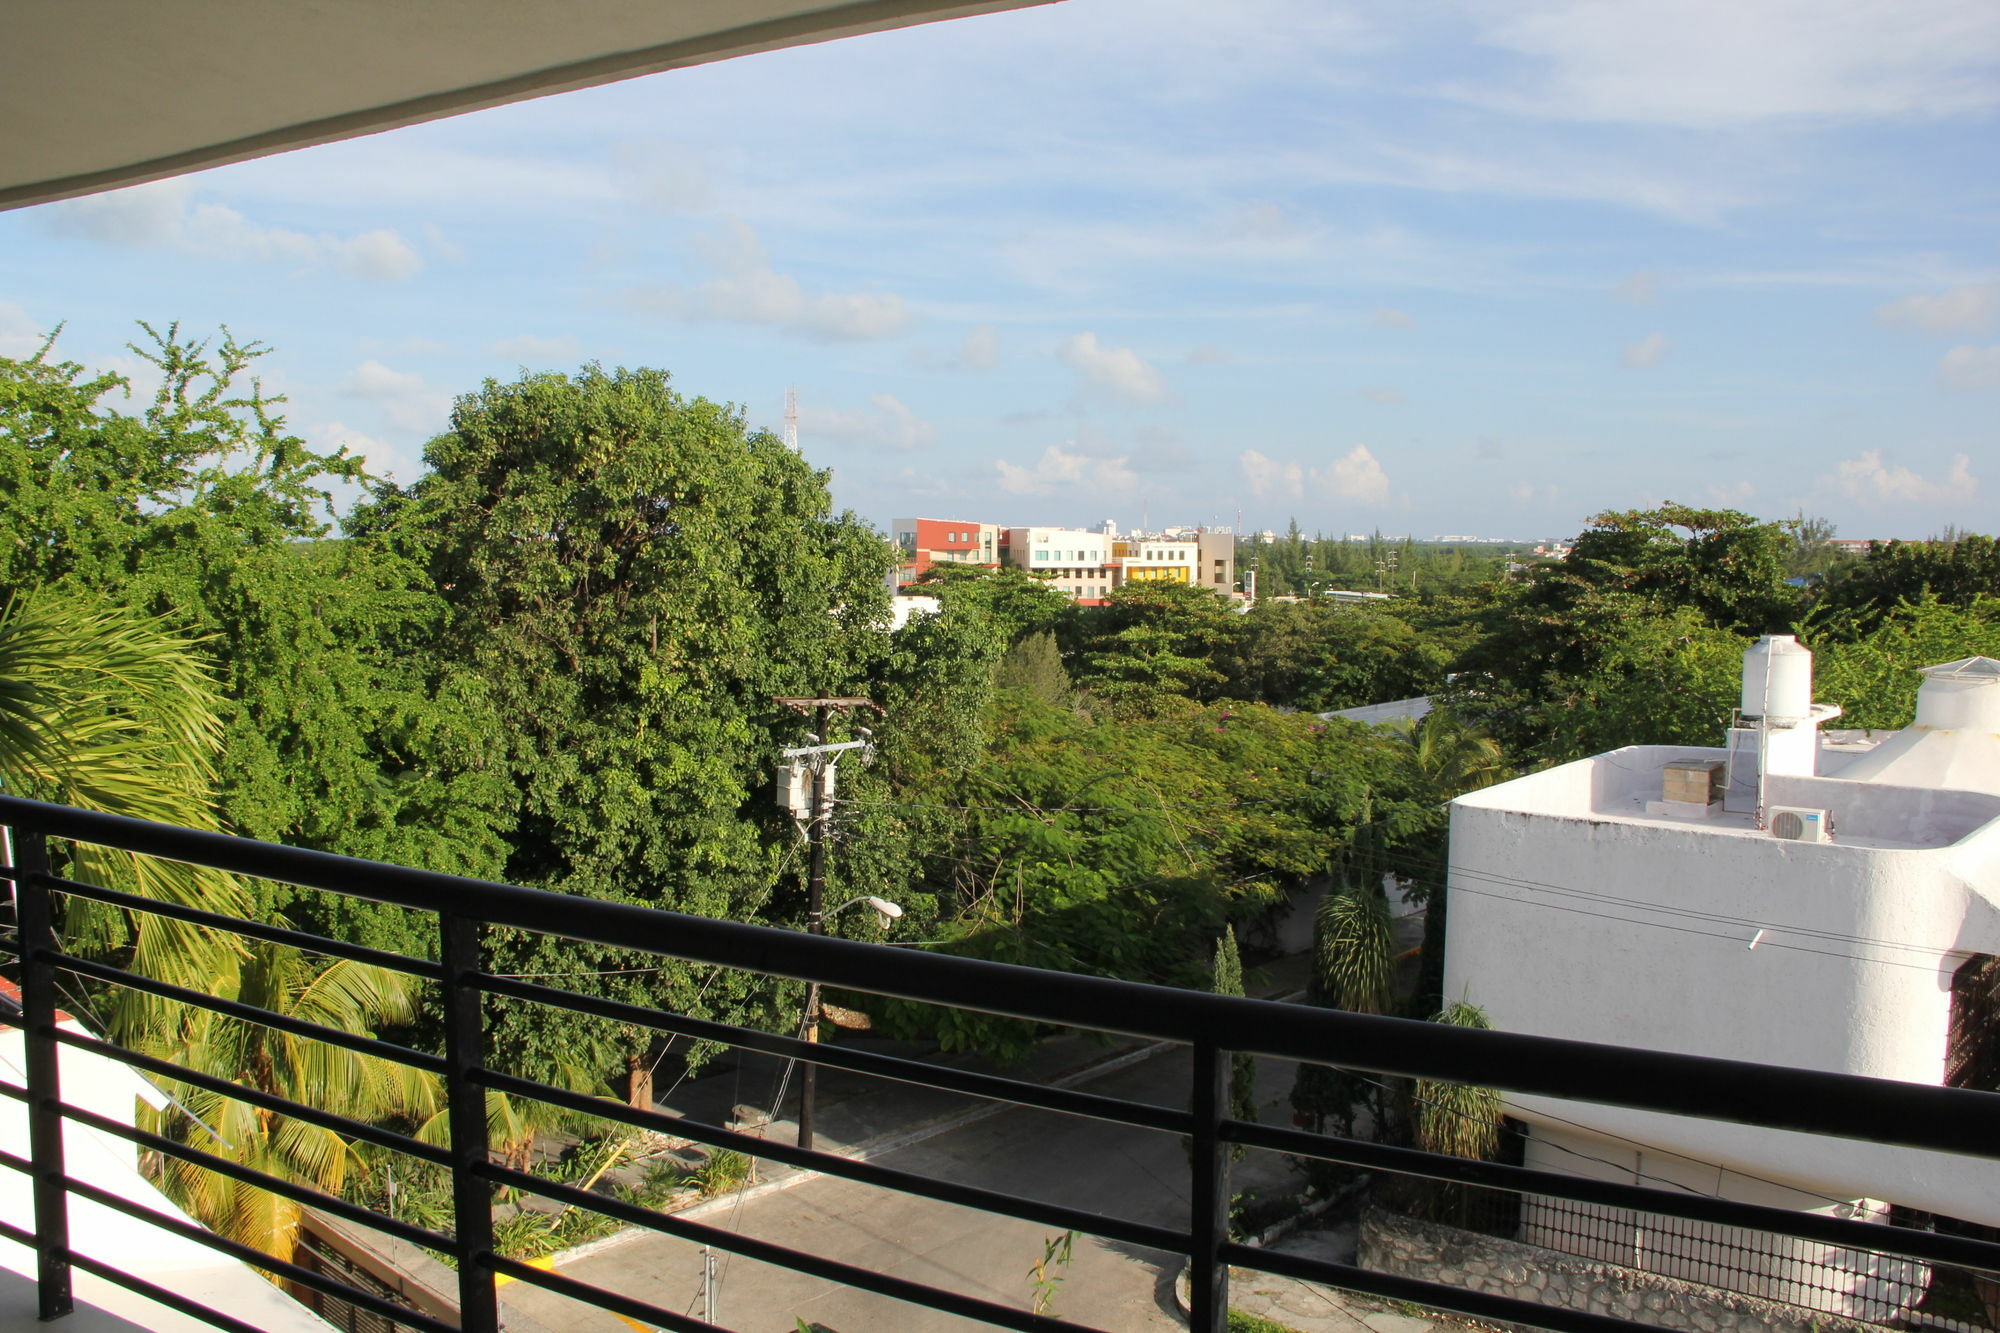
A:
1210,1027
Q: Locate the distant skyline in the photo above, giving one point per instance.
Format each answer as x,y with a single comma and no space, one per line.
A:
1467,267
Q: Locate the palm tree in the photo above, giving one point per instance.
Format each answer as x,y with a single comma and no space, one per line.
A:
346,995
1456,1118
105,709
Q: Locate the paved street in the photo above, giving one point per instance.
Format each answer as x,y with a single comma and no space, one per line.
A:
1111,1169
1131,1173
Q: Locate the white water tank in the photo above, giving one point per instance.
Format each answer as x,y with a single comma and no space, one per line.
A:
1961,696
1777,679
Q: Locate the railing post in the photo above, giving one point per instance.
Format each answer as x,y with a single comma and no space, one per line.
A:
1208,1199
465,1112
45,1123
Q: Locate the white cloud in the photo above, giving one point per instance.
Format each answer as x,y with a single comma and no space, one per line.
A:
1208,354
1357,476
382,459
1059,471
406,401
1386,317
1714,63
750,291
1955,310
1268,477
375,256
1646,352
1382,395
1868,479
164,215
1120,370
1731,495
890,425
526,348
1970,367
1642,288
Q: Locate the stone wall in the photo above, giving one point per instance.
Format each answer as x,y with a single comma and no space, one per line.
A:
1390,1243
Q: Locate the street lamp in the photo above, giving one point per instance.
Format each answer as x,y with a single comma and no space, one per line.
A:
885,912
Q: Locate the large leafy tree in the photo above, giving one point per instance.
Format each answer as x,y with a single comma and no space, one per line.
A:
1154,642
341,726
630,576
1954,570
1552,640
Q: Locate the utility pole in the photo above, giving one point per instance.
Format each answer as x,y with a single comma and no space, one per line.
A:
821,757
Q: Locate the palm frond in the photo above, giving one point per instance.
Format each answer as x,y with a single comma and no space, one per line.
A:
1354,950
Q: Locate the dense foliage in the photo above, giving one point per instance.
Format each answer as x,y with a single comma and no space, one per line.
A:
554,659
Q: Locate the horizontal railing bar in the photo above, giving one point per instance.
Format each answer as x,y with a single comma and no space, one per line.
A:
16,1163
339,1124
14,1090
304,941
152,1291
1959,1251
866,1173
250,1013
634,1311
222,1166
1146,1115
8,1231
763,1251
1877,1110
1478,1304
256,1258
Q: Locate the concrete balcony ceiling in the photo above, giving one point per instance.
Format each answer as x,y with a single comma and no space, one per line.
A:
99,94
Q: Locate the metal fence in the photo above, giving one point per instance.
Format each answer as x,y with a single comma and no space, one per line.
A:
1210,1027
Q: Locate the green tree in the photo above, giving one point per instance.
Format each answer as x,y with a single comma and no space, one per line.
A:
1154,642
1225,977
1016,602
1554,639
631,576
1955,571
341,727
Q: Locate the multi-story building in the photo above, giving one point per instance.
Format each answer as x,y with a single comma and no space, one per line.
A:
1079,563
1160,559
929,541
1086,565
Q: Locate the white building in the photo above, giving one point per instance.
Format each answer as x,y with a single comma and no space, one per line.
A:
1076,561
1817,918
111,1090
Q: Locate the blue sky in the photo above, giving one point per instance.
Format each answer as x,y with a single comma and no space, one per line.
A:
1457,267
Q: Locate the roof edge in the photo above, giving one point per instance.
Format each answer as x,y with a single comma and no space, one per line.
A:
829,24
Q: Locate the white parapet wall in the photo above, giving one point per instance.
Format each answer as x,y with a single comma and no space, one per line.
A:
1576,914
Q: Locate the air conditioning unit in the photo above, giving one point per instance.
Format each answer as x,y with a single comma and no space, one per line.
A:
1795,823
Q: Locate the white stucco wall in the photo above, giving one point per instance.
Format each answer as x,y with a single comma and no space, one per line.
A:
110,1089
1573,914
